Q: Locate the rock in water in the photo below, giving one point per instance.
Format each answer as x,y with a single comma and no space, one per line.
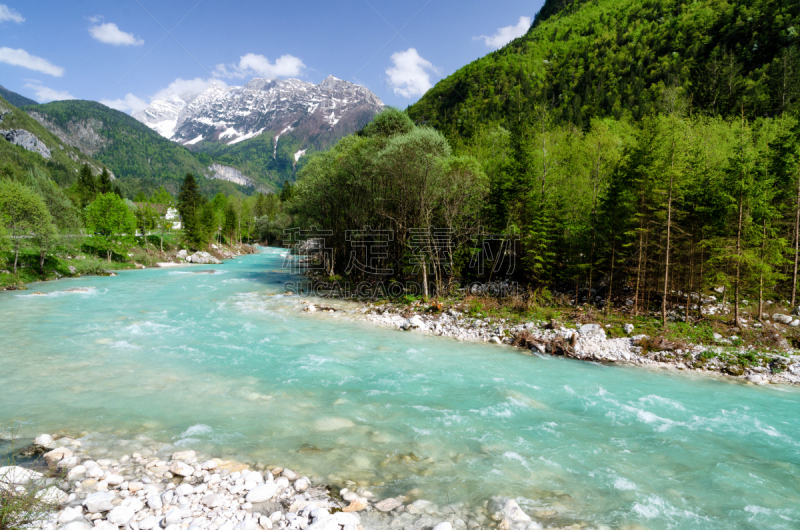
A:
44,440
332,424
387,505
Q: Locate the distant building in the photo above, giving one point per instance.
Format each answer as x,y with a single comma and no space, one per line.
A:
168,213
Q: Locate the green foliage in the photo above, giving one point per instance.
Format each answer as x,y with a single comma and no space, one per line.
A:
139,157
628,59
111,224
25,215
15,161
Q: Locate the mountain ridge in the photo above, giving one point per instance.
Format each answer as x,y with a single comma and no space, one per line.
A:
317,115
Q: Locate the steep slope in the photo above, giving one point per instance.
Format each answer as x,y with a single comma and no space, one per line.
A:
24,144
618,58
15,99
308,116
141,159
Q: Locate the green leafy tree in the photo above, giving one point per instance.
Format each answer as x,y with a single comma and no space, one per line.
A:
111,223
25,215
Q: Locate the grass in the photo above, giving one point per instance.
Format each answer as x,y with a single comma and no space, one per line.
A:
21,505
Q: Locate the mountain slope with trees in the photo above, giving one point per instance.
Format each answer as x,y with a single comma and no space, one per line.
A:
139,157
621,58
18,100
64,163
617,173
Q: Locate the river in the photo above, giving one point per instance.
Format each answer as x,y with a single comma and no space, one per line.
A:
227,364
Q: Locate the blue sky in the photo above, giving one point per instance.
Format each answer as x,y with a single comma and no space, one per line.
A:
126,52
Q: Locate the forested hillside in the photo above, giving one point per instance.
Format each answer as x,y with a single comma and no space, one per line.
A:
63,161
626,153
623,58
15,99
139,157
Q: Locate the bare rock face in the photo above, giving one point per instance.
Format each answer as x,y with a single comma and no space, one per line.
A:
26,140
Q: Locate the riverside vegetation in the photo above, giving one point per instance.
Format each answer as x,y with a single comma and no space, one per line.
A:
626,160
49,232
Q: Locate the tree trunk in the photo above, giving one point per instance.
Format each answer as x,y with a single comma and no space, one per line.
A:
16,259
796,241
42,255
610,280
108,255
666,258
761,276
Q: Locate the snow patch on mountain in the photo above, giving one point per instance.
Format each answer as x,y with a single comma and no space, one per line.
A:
317,114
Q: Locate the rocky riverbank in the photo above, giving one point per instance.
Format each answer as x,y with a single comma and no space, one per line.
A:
589,342
145,485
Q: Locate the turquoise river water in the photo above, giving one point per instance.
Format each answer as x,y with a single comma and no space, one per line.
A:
226,364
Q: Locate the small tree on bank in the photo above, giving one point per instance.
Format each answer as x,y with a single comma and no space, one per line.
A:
111,223
25,215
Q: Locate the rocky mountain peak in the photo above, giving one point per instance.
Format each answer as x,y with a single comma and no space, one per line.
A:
318,114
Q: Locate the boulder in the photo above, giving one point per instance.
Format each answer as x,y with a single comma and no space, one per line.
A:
593,332
77,525
44,440
182,254
627,328
262,493
69,514
510,510
52,495
387,505
356,505
495,340
414,322
203,258
186,456
182,469
120,515
56,455
783,319
213,500
18,476
303,483
99,502
443,526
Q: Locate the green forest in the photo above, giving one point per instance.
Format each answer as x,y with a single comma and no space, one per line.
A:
624,154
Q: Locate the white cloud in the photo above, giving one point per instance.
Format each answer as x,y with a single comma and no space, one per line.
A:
110,33
31,62
505,35
187,89
257,65
410,75
45,94
6,13
129,103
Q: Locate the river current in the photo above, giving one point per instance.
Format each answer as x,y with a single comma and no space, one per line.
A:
227,364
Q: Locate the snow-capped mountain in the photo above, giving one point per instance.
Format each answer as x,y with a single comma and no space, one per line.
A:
316,115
